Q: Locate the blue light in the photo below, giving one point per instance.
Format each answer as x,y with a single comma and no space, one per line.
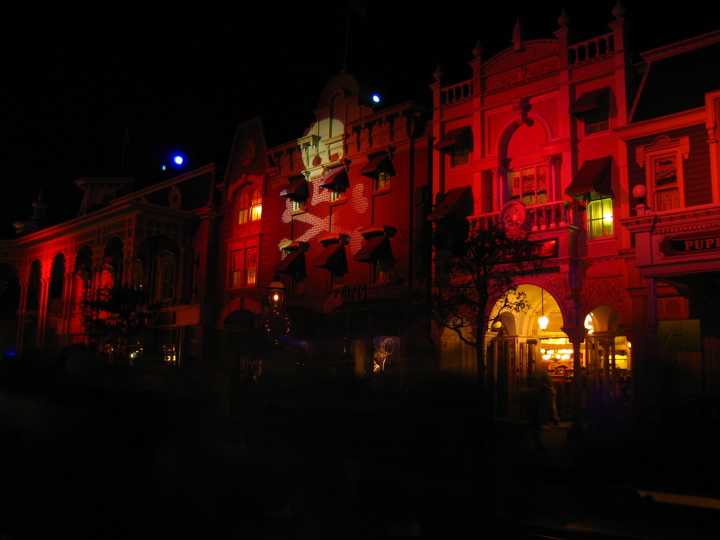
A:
178,160
376,98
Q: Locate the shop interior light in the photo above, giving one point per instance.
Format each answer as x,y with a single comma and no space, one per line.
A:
543,321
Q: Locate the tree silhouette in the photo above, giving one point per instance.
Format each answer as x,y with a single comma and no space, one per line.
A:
476,271
116,315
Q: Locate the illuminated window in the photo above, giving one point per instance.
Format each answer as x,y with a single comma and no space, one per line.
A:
600,217
528,185
382,181
249,206
244,267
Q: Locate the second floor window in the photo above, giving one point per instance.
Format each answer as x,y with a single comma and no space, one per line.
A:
383,181
528,185
600,217
459,155
243,267
249,206
664,173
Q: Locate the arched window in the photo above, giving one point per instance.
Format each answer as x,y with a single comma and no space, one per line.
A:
249,206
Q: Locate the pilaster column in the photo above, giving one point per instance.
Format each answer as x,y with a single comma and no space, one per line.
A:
576,335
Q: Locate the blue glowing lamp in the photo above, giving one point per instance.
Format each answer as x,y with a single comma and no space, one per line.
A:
375,98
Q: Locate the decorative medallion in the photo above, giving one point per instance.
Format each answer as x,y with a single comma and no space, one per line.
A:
513,215
247,152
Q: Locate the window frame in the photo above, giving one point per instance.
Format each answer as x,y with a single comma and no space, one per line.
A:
666,188
520,193
602,201
249,208
596,122
244,274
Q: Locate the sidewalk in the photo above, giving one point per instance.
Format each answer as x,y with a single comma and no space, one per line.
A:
594,485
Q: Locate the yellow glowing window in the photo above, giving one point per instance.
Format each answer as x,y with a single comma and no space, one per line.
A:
600,217
249,206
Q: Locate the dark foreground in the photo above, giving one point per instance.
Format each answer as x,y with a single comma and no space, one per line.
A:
159,453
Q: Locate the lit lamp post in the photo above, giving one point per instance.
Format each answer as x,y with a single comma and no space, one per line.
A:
276,321
276,292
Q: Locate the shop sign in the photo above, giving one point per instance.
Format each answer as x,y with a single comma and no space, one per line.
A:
352,293
546,249
691,244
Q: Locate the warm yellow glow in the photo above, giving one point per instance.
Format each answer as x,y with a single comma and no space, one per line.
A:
607,218
543,322
589,323
276,297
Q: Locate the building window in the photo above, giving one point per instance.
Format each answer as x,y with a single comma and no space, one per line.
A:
595,122
528,185
297,285
457,144
166,276
249,206
459,155
381,271
600,216
244,267
662,161
664,175
593,110
382,181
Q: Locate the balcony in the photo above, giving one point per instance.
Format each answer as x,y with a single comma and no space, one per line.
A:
591,49
553,215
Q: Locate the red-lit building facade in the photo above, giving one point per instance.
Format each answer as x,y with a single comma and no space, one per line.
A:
614,164
334,216
160,239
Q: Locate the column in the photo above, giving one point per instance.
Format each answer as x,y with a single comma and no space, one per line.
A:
576,335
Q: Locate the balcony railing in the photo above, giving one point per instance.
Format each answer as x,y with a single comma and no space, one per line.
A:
539,217
456,93
591,49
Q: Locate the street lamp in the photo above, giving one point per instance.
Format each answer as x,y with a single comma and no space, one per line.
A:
276,292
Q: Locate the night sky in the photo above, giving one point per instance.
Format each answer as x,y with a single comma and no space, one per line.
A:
81,80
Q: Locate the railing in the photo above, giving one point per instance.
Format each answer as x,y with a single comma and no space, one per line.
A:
458,92
538,218
591,49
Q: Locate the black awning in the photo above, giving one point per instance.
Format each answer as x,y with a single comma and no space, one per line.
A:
336,179
292,264
377,248
332,258
297,190
594,175
593,101
378,164
458,201
455,137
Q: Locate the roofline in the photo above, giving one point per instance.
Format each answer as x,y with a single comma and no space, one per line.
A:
679,47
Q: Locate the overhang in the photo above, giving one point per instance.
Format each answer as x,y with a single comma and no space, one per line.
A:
594,175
